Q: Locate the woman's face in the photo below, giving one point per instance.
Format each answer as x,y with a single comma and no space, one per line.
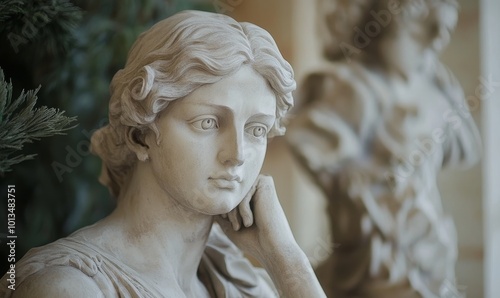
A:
213,142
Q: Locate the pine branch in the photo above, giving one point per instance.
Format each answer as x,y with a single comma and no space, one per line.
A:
9,8
49,24
21,123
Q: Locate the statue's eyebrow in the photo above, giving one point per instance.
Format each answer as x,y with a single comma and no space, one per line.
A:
263,117
210,105
226,109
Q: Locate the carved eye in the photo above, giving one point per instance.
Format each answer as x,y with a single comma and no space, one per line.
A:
206,124
257,131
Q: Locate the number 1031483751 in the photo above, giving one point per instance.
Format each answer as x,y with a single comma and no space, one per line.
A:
11,211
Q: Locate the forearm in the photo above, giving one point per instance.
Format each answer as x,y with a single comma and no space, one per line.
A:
462,145
270,240
292,273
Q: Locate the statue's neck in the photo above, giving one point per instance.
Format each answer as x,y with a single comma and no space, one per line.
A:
161,236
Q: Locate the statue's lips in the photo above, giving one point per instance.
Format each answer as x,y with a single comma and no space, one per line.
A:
225,184
226,181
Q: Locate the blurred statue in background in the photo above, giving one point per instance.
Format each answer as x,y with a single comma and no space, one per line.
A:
378,123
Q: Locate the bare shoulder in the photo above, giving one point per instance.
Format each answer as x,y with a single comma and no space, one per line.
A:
60,281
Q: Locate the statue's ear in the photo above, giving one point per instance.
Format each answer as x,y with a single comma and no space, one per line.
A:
136,141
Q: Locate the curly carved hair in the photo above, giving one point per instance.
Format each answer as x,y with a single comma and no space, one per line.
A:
171,60
342,17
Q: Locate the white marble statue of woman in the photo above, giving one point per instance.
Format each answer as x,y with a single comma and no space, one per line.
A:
379,123
190,115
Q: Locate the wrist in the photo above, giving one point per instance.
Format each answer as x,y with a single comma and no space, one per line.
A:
292,272
281,255
280,241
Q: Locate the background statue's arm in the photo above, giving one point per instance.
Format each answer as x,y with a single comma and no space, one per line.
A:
462,143
333,122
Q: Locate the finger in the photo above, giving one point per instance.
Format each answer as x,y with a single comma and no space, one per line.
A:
265,190
265,203
234,218
245,210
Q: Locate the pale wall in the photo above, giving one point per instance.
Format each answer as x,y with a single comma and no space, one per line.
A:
490,68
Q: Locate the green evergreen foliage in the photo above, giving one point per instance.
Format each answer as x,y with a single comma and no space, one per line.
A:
21,123
45,24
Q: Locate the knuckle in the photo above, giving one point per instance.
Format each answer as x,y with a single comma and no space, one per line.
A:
266,181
